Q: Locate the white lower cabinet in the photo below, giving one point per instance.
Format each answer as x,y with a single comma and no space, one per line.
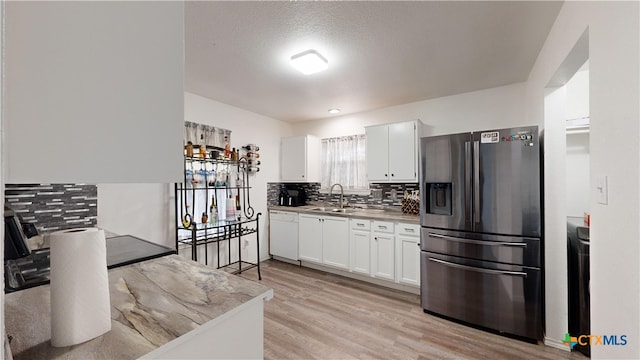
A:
408,254
335,242
310,238
378,249
360,246
324,240
383,250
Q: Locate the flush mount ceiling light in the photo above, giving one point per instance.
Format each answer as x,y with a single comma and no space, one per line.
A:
334,111
309,62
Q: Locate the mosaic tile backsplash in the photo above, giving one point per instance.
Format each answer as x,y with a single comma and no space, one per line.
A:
312,191
52,207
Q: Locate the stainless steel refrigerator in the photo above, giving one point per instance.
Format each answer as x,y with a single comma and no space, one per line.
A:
481,258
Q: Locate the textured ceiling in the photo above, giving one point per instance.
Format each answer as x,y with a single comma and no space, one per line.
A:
380,53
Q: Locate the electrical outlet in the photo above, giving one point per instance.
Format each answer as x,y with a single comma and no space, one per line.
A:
246,243
394,194
376,194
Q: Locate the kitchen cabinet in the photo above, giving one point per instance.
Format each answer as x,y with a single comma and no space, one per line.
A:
324,239
408,254
335,242
392,152
300,159
360,246
89,102
310,238
383,250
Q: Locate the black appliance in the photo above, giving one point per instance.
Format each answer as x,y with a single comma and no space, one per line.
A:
481,237
34,269
578,270
15,240
292,195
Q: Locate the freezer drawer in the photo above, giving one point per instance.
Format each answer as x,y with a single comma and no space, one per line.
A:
504,249
501,297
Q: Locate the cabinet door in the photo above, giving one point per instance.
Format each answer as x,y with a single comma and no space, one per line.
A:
408,260
383,256
360,252
293,158
402,152
377,153
335,242
310,238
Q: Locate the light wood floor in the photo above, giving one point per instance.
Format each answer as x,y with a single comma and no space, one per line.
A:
317,315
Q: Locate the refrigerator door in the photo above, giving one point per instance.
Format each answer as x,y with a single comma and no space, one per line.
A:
445,181
506,182
506,298
514,250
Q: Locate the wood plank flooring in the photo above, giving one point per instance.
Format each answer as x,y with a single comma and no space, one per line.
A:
317,315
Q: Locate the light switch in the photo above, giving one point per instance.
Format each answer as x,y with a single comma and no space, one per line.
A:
603,190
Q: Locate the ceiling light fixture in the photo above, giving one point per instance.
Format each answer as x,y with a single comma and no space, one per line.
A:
309,62
334,111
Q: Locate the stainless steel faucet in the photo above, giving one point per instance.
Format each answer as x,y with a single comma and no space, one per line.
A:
341,194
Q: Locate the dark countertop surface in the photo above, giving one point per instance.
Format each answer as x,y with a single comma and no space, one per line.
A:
33,270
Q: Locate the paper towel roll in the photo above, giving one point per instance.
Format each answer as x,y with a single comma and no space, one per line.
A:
80,303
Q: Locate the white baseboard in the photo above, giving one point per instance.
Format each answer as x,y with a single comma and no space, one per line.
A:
385,283
556,344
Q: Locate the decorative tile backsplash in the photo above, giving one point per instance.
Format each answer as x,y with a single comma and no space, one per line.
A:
52,207
312,191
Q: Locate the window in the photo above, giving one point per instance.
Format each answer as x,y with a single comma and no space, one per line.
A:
344,162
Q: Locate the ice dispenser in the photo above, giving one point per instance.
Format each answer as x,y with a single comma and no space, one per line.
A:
438,198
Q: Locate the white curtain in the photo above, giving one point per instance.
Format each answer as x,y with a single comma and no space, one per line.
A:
199,134
344,162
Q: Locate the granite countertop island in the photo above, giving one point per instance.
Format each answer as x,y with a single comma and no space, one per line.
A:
165,307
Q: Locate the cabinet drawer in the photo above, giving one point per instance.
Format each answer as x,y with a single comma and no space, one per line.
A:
408,229
360,224
382,226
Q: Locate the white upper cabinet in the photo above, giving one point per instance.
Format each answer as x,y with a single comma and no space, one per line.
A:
300,159
93,92
392,152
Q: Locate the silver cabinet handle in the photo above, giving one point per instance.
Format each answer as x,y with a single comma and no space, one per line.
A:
382,227
409,230
476,182
477,242
468,192
480,270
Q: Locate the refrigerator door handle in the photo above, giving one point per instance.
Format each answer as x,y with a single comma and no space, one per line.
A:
476,182
477,242
467,180
480,270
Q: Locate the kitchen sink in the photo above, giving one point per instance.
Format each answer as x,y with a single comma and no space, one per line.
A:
334,210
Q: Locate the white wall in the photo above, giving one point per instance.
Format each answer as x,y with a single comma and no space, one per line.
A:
246,128
93,91
577,173
555,198
149,212
494,108
578,94
615,113
142,210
